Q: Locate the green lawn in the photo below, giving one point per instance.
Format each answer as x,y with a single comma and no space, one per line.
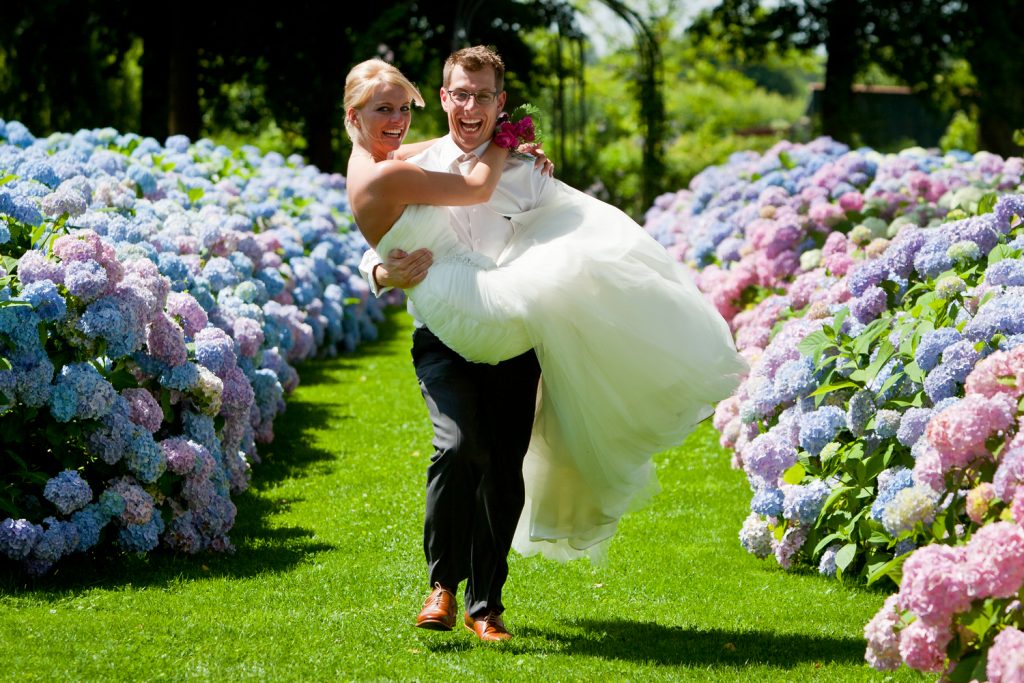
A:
329,574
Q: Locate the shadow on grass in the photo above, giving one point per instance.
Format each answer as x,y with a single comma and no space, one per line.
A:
260,547
673,645
292,452
647,642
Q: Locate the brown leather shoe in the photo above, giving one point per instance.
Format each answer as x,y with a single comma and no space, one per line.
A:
489,627
438,613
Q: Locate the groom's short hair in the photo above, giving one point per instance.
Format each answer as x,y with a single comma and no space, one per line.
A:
476,58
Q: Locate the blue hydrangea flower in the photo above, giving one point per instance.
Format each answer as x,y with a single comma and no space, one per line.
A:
67,491
820,427
866,274
887,423
827,563
932,258
59,539
1001,315
767,502
1006,208
941,383
860,410
912,425
803,503
141,538
794,379
890,482
932,344
46,300
89,522
81,392
85,279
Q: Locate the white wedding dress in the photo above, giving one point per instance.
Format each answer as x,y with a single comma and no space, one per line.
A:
632,356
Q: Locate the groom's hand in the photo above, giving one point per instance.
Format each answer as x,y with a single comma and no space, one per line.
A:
403,270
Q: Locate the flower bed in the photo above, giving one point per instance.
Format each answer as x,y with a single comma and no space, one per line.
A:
153,299
881,302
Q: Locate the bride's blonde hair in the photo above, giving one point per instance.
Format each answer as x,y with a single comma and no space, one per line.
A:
363,79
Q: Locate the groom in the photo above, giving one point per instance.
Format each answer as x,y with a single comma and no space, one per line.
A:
482,414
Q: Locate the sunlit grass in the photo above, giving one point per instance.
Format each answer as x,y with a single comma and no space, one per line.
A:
328,575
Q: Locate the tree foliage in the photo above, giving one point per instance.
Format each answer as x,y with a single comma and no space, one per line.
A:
917,41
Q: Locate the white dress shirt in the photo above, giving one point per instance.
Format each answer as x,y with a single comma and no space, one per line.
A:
482,227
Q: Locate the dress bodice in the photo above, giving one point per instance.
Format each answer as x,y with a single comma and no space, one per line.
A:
422,226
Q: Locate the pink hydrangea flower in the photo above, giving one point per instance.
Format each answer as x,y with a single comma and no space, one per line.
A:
984,378
883,651
165,340
923,646
851,201
1006,657
933,586
249,335
187,310
993,567
959,432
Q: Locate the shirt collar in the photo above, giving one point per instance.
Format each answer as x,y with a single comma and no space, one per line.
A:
450,152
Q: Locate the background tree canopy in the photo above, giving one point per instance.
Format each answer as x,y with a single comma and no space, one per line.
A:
626,124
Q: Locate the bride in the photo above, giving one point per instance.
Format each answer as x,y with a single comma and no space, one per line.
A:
632,355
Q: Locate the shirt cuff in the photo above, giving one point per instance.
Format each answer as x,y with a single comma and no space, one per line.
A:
370,261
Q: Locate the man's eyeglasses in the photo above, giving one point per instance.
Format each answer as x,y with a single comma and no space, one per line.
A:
482,98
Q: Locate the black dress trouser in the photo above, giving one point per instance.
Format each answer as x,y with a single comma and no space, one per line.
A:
482,417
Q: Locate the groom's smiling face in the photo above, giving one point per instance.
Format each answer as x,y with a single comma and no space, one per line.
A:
471,123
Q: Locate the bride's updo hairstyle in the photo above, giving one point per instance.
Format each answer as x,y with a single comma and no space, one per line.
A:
363,80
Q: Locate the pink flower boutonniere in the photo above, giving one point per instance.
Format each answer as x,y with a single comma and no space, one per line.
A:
517,130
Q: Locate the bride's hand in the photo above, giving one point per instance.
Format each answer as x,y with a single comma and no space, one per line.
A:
541,163
402,270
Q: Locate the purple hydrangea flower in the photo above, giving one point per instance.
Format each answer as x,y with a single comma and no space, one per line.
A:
1008,272
85,279
912,424
869,305
18,537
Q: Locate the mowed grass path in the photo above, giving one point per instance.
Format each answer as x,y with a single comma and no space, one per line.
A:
328,575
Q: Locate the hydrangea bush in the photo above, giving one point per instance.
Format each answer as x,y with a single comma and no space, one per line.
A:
880,300
153,301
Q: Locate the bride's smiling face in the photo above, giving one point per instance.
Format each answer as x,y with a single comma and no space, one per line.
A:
384,119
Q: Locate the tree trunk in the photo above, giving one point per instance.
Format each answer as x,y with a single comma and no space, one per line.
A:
843,19
319,135
156,70
996,56
183,78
